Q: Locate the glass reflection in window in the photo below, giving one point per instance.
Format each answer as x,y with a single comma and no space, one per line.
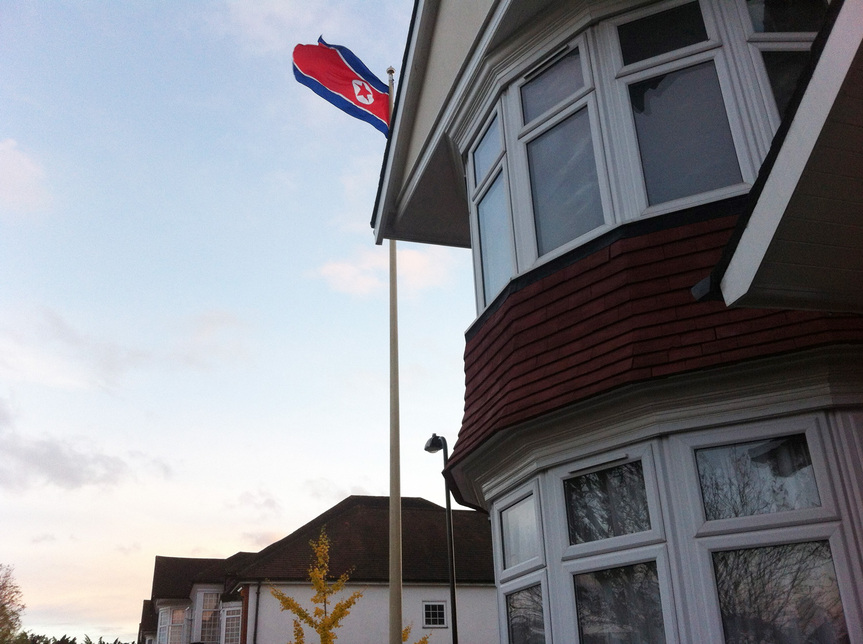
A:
785,594
619,605
564,183
551,86
495,239
608,503
784,69
786,15
683,134
487,151
524,616
758,477
520,532
661,32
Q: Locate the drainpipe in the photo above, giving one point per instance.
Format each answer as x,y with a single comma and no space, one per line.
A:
257,606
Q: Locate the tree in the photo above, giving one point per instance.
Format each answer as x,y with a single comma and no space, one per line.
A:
11,605
323,619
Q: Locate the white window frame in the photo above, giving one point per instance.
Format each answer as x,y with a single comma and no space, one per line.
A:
711,50
500,506
477,191
231,611
699,538
656,553
684,447
537,577
437,602
562,549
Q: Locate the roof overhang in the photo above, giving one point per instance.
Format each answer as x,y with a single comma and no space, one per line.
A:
422,194
802,247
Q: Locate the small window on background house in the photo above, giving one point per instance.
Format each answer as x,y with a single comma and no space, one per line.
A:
233,621
210,628
759,477
607,503
524,616
661,33
783,593
434,615
519,532
619,605
683,134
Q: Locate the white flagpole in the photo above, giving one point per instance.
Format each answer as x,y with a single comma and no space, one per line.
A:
395,467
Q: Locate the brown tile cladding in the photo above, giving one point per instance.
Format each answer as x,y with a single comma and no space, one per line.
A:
620,315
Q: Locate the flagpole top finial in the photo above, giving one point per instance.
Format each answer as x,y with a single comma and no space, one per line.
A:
390,71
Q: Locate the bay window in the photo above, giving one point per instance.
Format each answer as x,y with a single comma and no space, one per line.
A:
730,534
639,114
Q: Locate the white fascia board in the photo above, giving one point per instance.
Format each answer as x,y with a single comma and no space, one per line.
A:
410,87
811,116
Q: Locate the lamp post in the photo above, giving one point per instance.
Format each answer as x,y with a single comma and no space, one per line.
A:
435,444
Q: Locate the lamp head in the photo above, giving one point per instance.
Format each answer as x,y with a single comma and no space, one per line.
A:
435,444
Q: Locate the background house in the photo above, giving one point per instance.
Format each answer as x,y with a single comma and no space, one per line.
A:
229,602
664,383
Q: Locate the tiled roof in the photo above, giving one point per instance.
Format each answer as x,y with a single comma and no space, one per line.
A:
173,576
358,529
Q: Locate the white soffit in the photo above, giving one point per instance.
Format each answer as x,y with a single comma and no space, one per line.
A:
803,244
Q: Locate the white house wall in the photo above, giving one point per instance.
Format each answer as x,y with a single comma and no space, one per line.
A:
368,621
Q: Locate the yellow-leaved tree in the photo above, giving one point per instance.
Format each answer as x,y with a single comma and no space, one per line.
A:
324,619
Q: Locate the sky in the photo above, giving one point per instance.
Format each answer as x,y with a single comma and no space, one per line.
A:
193,311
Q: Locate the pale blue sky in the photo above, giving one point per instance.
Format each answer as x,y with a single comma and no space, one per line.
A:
193,313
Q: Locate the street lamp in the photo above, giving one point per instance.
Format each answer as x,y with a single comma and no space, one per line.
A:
435,444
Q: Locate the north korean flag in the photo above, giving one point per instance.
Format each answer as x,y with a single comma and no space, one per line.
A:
334,73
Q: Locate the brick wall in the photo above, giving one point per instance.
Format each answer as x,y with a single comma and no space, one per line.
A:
620,315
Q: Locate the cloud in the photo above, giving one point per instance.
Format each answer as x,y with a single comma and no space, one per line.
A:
22,182
211,338
368,271
275,26
262,539
25,463
39,346
326,489
260,501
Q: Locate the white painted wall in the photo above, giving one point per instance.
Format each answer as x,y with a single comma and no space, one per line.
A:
368,621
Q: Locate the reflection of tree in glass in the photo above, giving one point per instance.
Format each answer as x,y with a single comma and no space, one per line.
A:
759,477
524,614
620,605
785,593
607,503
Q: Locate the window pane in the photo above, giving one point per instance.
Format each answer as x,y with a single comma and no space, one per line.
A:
787,15
487,151
683,134
784,69
619,605
608,503
784,593
524,616
661,32
564,183
758,477
232,626
433,615
495,239
520,532
553,85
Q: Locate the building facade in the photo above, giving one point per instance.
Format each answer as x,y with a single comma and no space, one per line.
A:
229,601
664,383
